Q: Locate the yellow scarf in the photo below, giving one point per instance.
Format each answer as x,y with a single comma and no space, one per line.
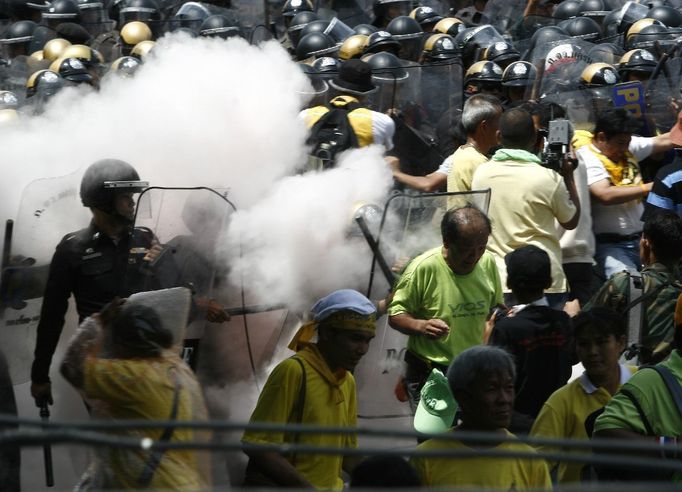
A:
622,173
343,320
311,354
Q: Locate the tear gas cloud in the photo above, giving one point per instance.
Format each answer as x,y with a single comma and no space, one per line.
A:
208,112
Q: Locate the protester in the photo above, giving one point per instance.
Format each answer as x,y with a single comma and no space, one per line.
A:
569,413
122,361
444,296
482,382
315,386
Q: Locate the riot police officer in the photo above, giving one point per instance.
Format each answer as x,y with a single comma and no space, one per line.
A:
93,263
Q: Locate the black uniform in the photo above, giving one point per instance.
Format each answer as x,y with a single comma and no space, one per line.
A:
93,267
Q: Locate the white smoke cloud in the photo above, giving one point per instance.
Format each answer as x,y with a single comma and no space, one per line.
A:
223,114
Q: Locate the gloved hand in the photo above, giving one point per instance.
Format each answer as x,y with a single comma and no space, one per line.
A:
42,394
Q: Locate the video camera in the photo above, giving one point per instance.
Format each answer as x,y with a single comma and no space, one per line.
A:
557,143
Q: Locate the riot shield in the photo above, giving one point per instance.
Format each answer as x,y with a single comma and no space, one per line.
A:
663,93
397,91
441,89
49,209
408,226
190,225
560,64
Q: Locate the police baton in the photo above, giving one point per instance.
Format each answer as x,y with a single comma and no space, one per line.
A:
47,449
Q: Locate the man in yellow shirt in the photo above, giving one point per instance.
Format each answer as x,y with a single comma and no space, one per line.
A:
482,381
315,387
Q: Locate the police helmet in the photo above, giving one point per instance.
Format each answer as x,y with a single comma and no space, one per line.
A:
611,23
19,32
404,27
318,83
639,60
605,52
293,7
218,26
44,82
382,41
142,49
71,69
483,71
598,75
353,46
126,66
139,10
8,100
381,8
449,25
502,53
314,44
326,67
365,29
36,60
386,67
314,26
547,34
297,24
567,9
55,48
440,47
667,15
135,32
645,33
62,10
519,74
191,14
94,190
426,16
89,56
583,28
594,6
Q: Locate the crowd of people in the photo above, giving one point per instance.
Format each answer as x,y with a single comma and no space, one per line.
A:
566,111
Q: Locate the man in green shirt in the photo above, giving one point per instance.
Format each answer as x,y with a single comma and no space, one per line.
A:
444,296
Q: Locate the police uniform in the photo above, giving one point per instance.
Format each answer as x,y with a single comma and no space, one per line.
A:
95,268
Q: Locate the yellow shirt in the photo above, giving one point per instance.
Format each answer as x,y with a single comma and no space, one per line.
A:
463,163
526,199
325,405
564,413
481,472
142,389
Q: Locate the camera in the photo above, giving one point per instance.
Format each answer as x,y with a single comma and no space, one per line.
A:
557,144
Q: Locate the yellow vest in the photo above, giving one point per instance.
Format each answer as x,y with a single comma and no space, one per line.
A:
360,118
622,173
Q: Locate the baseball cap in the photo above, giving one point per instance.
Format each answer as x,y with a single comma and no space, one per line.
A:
437,407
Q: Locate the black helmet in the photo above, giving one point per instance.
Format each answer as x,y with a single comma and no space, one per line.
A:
426,16
473,40
353,47
645,33
483,71
314,26
583,28
449,25
547,34
667,15
95,191
611,23
139,10
639,60
404,27
386,67
293,7
594,6
599,75
502,53
381,10
297,24
191,14
71,69
365,29
43,82
126,66
440,47
62,10
382,41
567,9
8,100
19,32
605,52
318,83
218,26
327,66
314,44
519,74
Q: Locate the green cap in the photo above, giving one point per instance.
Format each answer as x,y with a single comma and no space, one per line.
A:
437,407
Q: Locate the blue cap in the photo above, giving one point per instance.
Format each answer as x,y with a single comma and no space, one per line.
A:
342,300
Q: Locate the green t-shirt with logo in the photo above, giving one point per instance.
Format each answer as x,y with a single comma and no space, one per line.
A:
429,289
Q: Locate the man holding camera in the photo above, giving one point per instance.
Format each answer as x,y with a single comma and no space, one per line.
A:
526,199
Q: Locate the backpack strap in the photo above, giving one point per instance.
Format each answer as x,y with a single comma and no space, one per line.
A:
671,383
642,415
153,463
297,412
636,310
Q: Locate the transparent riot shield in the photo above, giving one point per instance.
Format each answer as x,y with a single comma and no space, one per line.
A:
49,209
397,90
441,88
663,93
408,225
560,65
190,226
